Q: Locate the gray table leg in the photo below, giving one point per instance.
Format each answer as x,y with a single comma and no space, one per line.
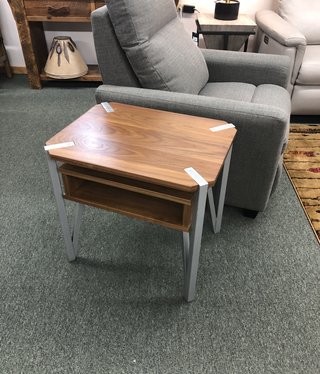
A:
76,226
192,244
216,215
58,194
185,253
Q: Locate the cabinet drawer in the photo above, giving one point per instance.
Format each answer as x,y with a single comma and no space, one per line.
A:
57,10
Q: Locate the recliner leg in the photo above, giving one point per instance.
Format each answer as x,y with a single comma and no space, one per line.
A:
250,213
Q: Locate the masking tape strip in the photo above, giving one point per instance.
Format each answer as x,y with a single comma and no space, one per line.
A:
59,145
222,127
196,176
107,107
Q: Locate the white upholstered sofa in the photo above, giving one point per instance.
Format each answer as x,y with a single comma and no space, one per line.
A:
294,30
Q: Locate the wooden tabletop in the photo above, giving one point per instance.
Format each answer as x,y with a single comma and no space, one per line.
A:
145,144
243,23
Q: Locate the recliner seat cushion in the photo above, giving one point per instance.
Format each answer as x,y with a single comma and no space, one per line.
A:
268,95
160,51
304,15
229,90
309,73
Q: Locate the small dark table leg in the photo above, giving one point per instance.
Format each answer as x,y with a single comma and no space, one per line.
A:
246,45
250,213
225,41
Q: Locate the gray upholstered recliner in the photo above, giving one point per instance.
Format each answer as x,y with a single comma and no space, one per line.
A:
294,30
146,58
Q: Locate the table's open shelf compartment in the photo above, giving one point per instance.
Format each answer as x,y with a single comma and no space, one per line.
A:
149,202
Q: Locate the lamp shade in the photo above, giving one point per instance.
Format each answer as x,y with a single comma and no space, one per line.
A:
64,60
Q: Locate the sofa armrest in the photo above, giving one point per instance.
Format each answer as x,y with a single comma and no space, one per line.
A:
282,39
229,66
279,29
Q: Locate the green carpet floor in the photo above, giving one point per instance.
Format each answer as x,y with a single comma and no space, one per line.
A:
118,308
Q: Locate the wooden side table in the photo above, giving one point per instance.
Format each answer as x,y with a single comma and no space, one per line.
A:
228,35
147,164
30,16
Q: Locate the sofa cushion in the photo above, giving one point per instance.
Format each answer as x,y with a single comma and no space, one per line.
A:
309,73
303,14
160,51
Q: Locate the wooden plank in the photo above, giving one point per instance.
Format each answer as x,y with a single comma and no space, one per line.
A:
55,9
143,207
19,14
148,189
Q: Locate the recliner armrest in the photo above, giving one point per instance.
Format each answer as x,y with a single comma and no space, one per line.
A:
254,68
203,106
279,29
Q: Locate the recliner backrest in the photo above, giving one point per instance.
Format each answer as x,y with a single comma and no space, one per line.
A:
114,66
160,51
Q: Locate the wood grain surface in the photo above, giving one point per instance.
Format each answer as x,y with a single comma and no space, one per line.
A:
146,145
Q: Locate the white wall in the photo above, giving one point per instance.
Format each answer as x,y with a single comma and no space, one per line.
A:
10,35
84,37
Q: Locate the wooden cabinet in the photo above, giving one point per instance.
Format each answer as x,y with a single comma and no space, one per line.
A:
30,15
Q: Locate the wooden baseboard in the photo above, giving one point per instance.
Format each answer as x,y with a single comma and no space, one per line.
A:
15,69
19,69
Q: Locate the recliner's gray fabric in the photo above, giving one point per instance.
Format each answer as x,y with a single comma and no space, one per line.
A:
113,64
230,66
160,51
259,110
229,90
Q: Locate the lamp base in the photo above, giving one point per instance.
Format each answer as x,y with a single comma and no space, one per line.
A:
227,11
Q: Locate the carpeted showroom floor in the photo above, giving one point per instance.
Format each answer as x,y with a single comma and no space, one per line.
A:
118,307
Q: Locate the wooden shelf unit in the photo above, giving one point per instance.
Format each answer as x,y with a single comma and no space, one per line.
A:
146,201
30,15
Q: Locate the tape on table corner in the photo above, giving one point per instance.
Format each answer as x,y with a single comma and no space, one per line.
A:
58,145
196,176
222,127
107,107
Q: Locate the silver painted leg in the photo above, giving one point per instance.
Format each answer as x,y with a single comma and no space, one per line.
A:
216,216
185,253
70,250
192,260
212,209
76,226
